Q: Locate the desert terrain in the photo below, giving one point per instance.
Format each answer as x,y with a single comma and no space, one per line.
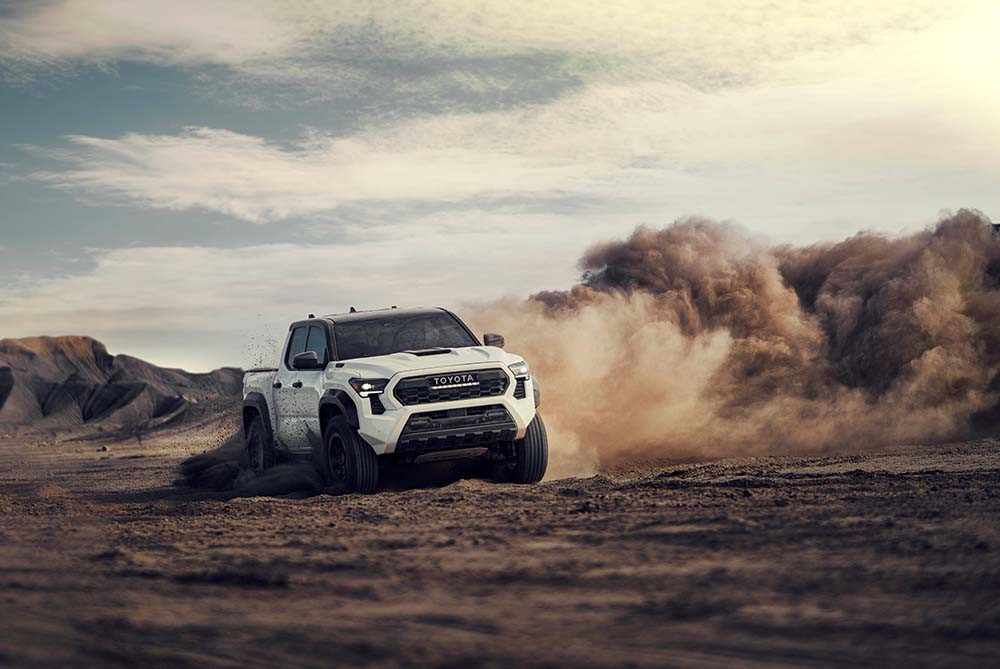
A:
887,559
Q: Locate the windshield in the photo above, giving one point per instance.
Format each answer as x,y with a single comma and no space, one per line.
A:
382,336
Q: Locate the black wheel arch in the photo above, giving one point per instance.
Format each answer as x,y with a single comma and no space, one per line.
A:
254,404
335,403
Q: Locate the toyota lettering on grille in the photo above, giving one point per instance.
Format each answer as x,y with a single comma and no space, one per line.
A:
453,381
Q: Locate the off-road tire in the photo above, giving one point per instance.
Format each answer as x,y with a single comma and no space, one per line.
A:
345,460
531,454
260,451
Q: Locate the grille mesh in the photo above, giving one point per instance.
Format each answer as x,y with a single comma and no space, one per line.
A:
419,389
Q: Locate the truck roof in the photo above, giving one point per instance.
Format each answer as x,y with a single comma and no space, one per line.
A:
380,314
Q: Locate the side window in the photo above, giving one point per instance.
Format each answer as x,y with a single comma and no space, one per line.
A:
317,342
296,345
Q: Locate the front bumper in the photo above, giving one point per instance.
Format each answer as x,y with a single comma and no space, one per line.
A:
440,426
478,427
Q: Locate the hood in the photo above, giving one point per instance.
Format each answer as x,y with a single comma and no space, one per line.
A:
387,366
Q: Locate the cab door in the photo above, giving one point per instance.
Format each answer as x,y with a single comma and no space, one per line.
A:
289,433
307,386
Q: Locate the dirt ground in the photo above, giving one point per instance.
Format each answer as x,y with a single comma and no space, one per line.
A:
877,560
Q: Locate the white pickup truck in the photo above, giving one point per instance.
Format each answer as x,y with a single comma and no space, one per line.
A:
355,391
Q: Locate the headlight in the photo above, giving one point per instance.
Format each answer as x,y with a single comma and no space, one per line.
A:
520,370
366,387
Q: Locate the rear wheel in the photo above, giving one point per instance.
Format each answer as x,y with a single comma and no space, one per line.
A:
346,461
531,454
260,450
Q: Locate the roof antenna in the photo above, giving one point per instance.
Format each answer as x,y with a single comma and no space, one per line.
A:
393,306
312,315
353,310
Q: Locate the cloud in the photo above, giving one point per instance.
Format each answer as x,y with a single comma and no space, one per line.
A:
441,44
761,155
633,104
249,178
190,33
566,147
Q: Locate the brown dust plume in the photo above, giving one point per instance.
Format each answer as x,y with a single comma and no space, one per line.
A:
699,340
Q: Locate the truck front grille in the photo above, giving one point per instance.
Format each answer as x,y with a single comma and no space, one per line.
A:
451,386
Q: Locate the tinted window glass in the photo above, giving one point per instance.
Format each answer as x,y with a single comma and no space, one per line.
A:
296,345
363,339
317,342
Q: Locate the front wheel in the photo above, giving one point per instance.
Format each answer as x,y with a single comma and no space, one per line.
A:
346,461
531,454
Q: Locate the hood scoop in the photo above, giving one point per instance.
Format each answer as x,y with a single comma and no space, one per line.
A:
429,351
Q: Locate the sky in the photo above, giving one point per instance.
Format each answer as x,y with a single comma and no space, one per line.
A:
181,180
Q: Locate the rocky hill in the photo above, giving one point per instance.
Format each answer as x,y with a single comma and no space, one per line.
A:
66,382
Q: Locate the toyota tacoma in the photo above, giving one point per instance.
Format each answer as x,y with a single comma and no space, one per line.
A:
357,391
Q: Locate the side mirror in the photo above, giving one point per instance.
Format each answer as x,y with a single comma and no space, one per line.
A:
306,360
492,339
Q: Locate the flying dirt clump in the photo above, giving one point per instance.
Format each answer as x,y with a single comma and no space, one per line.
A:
699,340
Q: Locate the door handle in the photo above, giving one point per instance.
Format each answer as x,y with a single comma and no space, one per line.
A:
297,384
276,384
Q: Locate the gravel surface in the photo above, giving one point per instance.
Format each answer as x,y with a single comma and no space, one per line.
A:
856,560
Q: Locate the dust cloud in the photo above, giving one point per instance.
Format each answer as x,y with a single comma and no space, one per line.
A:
699,340
224,469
